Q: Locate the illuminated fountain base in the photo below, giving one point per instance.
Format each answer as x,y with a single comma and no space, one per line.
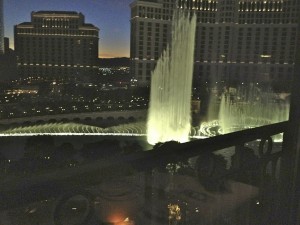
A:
213,128
207,129
74,129
257,110
69,129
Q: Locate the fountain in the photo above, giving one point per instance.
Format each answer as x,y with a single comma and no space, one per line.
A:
248,108
171,85
254,109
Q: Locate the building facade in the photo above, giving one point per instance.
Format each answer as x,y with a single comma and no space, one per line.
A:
237,41
1,29
6,45
56,45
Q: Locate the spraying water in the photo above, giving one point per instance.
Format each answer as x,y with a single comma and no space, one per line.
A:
256,110
171,85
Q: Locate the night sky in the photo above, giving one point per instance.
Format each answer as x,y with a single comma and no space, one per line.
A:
111,16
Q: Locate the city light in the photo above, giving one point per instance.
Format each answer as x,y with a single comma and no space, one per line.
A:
193,69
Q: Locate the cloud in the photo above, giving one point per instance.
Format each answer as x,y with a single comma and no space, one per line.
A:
111,55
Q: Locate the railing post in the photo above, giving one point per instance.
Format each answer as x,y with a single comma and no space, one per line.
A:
290,169
238,151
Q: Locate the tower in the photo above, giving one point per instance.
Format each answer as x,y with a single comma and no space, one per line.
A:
1,29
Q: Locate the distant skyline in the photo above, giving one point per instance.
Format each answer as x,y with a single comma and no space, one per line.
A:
112,17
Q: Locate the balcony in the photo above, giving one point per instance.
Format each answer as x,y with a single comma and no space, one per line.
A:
237,178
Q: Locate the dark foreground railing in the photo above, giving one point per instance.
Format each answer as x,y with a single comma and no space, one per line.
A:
227,179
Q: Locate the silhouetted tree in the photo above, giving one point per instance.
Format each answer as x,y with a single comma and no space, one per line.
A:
38,147
247,165
211,171
64,155
38,153
3,162
131,147
102,149
2,158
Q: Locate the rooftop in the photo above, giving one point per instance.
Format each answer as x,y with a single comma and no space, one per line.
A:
57,12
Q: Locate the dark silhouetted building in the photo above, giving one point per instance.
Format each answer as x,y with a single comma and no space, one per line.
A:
6,45
1,29
8,66
8,63
56,45
236,41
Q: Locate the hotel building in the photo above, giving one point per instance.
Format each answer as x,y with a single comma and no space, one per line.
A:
56,45
236,40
